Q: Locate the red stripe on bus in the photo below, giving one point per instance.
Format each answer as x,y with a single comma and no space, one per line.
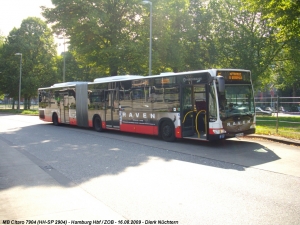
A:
73,121
47,119
141,129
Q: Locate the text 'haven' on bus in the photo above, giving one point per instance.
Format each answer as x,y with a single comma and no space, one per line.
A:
208,105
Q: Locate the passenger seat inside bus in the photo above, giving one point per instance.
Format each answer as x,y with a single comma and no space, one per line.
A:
200,105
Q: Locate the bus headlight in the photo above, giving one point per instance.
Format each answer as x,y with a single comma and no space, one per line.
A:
218,131
253,126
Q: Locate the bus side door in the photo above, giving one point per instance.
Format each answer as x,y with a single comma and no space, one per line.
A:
64,108
112,109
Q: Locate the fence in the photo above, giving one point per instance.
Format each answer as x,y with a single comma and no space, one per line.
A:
284,104
8,104
282,107
289,105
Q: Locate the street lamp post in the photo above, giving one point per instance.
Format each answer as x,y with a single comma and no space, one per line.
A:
64,57
150,42
20,54
64,70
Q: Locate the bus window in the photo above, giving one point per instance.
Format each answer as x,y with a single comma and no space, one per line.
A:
139,99
240,98
96,96
44,98
140,95
165,98
125,95
212,104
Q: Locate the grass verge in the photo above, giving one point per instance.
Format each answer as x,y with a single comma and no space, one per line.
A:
21,112
288,126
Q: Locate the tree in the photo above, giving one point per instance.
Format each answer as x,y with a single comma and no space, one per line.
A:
112,37
284,17
238,38
171,23
1,64
35,41
10,68
99,30
74,71
200,44
286,69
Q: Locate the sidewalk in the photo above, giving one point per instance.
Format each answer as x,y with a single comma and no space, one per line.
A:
30,189
275,138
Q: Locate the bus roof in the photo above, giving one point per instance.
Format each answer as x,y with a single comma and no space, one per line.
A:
116,78
66,84
212,72
167,74
139,77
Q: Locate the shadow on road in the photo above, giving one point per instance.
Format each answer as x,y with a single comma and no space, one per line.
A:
83,154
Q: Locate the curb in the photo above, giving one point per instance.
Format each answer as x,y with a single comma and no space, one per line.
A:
275,138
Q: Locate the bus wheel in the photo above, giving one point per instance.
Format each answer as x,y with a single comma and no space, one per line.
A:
55,119
167,131
97,124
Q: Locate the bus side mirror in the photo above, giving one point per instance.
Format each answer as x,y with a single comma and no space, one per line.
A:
221,83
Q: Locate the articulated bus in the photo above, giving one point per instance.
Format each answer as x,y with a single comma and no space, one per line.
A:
208,105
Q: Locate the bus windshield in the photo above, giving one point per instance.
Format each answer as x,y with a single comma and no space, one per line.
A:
236,101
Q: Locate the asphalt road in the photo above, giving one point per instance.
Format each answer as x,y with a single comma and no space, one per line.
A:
144,178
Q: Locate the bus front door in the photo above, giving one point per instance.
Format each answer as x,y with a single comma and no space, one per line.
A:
187,112
194,111
112,109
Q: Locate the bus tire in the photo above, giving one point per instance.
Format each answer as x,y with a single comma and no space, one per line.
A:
97,124
168,131
55,119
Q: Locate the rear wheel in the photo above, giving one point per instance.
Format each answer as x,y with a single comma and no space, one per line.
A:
97,124
55,119
167,131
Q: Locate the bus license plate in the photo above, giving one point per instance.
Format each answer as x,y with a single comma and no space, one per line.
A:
239,134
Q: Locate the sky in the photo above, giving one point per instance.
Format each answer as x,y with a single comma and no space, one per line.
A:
13,12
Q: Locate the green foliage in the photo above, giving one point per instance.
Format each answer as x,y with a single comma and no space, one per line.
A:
286,68
35,42
99,31
170,30
1,66
23,112
241,39
284,17
281,14
200,46
112,37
